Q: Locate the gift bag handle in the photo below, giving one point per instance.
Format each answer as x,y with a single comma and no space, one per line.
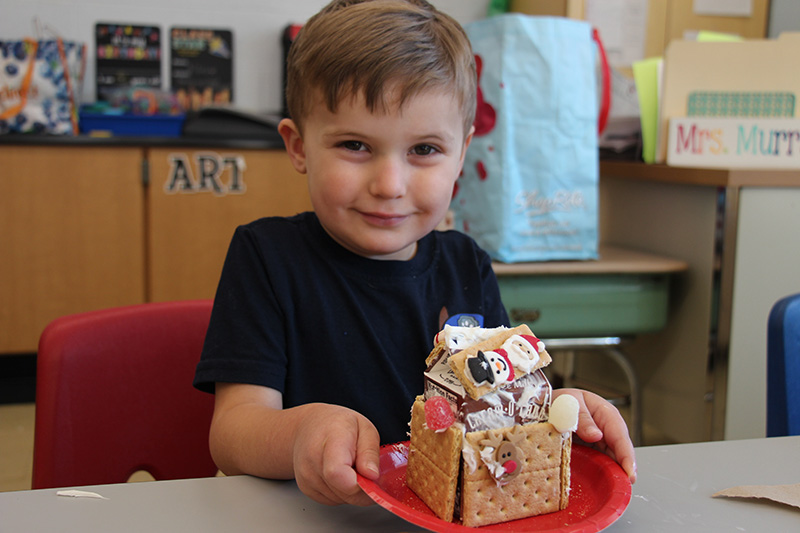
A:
605,97
73,109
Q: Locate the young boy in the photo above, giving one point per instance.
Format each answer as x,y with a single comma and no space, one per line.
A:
322,321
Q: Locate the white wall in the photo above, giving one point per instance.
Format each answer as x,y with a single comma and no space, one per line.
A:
257,27
767,257
784,15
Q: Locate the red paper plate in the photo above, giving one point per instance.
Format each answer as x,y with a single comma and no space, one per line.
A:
600,493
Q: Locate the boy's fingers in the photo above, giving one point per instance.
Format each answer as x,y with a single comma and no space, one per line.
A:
368,450
344,486
615,434
601,425
620,445
629,465
587,428
339,463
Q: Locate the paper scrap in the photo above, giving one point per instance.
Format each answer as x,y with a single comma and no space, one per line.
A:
705,36
647,75
786,494
80,494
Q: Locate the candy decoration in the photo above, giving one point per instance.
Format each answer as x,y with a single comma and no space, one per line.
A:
564,413
503,456
493,367
438,414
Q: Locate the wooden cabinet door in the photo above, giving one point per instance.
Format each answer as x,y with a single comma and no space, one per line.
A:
196,198
71,235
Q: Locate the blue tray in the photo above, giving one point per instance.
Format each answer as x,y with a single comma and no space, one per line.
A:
131,125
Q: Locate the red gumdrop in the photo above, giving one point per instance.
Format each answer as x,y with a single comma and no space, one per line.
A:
438,415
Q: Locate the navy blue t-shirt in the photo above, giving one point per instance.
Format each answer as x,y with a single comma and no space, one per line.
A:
297,312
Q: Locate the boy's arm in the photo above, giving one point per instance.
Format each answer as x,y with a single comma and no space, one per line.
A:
601,424
320,445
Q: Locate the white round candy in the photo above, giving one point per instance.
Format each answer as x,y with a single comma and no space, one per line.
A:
564,413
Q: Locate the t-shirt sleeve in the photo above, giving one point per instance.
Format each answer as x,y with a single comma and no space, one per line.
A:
245,341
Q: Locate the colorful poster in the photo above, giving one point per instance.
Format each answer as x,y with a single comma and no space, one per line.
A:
201,66
126,56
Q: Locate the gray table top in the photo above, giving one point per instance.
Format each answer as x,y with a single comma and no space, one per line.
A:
673,494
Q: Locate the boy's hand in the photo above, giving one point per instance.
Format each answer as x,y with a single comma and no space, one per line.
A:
601,425
331,444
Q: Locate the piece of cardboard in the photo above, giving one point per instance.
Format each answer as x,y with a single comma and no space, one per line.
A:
759,65
786,494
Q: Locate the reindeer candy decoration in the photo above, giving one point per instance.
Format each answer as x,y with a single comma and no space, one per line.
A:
502,455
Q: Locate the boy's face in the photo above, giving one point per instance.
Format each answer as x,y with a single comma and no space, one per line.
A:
380,181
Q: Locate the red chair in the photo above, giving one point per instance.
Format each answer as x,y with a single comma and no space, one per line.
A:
114,396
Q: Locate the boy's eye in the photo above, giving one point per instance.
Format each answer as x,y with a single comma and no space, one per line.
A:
353,145
423,149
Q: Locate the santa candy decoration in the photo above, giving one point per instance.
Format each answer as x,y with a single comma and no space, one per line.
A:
497,367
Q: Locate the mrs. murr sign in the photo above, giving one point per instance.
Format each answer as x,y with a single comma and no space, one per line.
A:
734,143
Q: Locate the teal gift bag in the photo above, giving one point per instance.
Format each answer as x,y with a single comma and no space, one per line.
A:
529,186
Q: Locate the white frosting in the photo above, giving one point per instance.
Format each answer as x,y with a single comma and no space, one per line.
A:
457,338
487,456
467,451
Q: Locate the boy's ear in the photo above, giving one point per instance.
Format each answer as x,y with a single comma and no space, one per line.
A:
294,144
467,141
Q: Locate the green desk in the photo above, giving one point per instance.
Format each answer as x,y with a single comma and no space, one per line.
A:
592,305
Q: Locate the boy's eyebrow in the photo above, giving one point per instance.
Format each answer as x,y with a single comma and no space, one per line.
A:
444,136
334,132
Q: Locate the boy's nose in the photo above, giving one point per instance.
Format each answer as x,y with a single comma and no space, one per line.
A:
390,179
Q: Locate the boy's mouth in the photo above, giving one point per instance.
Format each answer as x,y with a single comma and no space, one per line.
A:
383,219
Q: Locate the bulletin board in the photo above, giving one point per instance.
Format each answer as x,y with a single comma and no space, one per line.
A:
201,66
126,56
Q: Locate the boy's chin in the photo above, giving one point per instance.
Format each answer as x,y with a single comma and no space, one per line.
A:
403,254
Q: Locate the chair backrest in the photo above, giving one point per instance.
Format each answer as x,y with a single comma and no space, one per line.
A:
114,396
783,367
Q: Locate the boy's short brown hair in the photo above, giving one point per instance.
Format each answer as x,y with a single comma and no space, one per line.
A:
369,47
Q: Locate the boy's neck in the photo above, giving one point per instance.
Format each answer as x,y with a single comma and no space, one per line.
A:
405,254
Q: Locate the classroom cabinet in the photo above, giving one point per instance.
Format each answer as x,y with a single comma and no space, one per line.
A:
704,375
196,198
85,226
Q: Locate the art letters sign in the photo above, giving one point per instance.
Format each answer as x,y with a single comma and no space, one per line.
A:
205,172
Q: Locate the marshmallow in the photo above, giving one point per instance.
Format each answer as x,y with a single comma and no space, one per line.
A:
564,413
